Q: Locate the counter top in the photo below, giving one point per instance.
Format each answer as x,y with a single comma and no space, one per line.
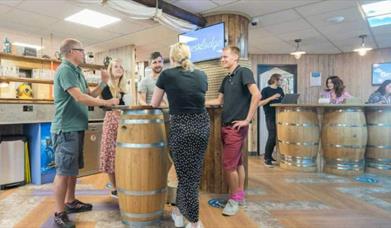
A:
143,107
334,105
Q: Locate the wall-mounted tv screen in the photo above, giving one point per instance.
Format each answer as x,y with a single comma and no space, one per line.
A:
380,73
206,43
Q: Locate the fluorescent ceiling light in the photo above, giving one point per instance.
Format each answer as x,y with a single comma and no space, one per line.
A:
27,45
92,18
377,8
379,20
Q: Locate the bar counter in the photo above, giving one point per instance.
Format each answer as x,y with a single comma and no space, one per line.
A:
344,139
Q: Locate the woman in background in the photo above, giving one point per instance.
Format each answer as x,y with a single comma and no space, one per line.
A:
335,90
271,95
382,95
189,130
115,88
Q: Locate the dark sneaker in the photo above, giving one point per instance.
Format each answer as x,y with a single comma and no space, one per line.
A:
114,194
268,163
274,161
61,220
76,206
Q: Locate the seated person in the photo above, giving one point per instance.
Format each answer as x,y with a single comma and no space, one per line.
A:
382,95
335,91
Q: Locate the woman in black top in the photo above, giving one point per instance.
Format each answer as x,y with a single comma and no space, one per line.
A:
115,88
271,95
189,129
382,95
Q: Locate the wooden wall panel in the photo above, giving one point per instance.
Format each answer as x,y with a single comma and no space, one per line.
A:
352,68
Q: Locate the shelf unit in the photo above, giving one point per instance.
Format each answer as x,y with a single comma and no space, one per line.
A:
32,80
29,63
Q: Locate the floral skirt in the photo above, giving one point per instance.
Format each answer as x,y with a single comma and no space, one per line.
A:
108,143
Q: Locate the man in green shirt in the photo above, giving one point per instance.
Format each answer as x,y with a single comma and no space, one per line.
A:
71,98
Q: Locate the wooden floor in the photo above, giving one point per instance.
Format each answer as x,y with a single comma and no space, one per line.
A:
275,198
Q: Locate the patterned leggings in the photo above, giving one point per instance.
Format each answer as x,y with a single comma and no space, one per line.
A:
188,140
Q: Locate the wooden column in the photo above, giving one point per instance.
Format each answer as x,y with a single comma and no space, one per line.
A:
236,30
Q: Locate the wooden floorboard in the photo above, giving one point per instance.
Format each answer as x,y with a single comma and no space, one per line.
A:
276,198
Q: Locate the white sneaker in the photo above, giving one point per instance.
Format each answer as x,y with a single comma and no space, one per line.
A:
231,208
178,220
199,225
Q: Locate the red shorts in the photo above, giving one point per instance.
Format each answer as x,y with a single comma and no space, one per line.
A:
233,142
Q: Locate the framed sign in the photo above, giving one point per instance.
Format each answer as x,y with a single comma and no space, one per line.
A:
380,73
316,79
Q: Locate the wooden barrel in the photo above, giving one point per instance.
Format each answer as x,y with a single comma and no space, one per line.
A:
140,171
378,155
344,140
298,138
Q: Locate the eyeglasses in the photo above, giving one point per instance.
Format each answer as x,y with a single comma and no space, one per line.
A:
78,49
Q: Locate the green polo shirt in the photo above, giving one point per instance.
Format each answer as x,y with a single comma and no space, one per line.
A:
70,115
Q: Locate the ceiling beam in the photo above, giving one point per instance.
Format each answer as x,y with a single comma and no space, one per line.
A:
175,11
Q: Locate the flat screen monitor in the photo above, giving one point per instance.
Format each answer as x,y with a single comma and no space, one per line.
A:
380,73
205,43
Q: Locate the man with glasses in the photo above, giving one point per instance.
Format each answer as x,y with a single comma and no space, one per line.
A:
239,96
71,98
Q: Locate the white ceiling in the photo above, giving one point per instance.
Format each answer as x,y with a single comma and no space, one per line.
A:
280,22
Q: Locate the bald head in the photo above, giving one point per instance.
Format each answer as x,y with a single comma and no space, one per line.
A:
72,50
68,45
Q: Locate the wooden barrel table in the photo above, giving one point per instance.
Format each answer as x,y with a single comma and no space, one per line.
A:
378,155
141,171
298,138
344,140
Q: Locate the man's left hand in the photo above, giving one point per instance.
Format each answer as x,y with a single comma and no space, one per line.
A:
240,123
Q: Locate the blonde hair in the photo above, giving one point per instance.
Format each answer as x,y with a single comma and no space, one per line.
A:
121,87
180,53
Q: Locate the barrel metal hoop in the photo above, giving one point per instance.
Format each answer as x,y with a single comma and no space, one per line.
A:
299,143
386,125
141,146
341,164
304,161
379,163
346,146
141,193
344,125
141,224
378,110
379,146
142,112
141,215
297,110
141,121
345,110
305,125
